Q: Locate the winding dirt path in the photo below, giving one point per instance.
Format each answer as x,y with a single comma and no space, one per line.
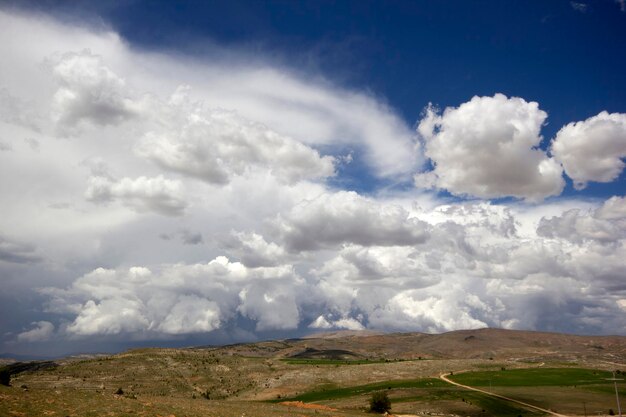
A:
445,378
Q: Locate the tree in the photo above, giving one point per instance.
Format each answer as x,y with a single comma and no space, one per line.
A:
5,377
380,402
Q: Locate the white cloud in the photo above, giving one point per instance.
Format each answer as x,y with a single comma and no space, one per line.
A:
179,299
214,145
254,250
613,209
89,92
592,150
191,314
433,314
605,224
481,265
347,323
487,147
42,331
109,316
270,306
333,219
395,266
142,194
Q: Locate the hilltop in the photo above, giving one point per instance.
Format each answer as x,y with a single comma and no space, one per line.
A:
461,344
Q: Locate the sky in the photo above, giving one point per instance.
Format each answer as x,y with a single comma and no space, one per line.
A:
197,173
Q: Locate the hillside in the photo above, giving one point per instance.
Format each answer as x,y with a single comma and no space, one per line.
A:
462,344
332,373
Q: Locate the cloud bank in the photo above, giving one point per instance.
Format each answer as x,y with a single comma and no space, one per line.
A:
164,197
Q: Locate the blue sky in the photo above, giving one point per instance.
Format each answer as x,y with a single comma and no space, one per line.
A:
568,56
182,173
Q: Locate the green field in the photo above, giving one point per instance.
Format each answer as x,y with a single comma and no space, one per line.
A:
410,395
333,393
568,390
536,377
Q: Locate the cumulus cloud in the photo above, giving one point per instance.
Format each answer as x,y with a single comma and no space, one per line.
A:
109,316
395,266
191,314
487,147
593,149
178,299
271,307
89,92
327,322
612,209
334,219
474,270
41,331
214,145
142,194
253,250
433,314
604,224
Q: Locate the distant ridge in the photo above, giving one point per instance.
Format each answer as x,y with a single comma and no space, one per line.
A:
343,333
486,343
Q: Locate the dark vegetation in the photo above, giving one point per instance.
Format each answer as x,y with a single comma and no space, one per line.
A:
18,367
380,402
330,354
5,377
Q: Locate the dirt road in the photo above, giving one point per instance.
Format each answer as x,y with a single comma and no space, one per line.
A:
543,410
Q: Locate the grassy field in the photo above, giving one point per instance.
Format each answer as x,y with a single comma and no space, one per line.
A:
538,377
575,391
330,392
412,396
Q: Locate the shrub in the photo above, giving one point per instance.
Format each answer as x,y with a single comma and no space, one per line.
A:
5,377
119,391
380,402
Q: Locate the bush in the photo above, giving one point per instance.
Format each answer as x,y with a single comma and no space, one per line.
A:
119,391
5,377
380,402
